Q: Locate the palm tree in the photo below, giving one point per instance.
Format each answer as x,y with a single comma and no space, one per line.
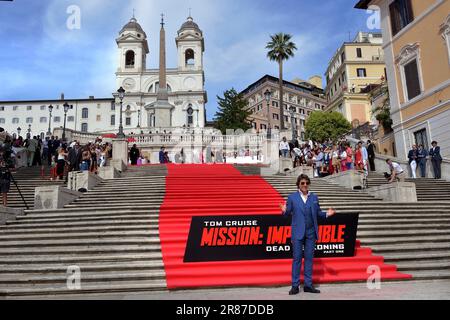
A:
281,48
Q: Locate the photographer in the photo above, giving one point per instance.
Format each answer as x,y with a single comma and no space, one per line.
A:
5,179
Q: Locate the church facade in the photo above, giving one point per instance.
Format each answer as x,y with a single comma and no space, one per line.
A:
146,107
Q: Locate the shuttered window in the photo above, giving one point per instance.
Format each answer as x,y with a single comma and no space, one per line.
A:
401,15
412,79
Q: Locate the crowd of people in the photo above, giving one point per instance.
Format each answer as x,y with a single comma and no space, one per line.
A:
56,156
330,157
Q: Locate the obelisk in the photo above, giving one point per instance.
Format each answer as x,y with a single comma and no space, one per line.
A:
162,106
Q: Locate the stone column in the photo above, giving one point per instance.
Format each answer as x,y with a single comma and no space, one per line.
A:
120,154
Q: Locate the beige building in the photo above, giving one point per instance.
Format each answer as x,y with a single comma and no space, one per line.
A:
354,67
302,97
416,43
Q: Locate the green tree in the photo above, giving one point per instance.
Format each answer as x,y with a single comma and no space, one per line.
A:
321,126
233,112
281,48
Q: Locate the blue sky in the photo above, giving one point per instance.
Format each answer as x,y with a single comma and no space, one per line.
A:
40,57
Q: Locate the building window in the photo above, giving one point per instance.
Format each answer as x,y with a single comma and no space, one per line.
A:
189,57
359,52
408,61
70,119
401,15
129,59
343,57
43,108
85,113
275,104
99,118
421,138
361,72
113,120
190,115
43,120
29,120
254,125
276,116
57,119
2,108
15,108
113,106
15,120
444,31
128,121
412,79
262,126
29,108
84,127
2,120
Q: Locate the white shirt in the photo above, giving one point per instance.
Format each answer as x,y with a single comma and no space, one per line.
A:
304,198
397,168
284,145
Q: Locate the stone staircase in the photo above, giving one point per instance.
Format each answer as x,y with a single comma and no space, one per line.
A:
427,189
27,180
414,236
110,233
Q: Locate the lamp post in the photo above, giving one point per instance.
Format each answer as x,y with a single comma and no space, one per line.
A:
66,109
294,129
18,132
139,119
268,95
29,132
50,109
121,92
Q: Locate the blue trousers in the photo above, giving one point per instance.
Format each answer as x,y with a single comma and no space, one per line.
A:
423,167
303,248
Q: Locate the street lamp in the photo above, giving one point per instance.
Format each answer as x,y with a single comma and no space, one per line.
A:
50,109
294,129
121,92
268,96
139,119
29,132
66,109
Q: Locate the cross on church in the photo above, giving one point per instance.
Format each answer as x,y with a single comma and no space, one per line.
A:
162,20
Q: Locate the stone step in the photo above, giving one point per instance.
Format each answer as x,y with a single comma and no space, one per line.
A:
81,249
413,248
143,240
84,234
423,265
118,225
78,258
91,287
84,267
28,279
417,256
419,239
429,274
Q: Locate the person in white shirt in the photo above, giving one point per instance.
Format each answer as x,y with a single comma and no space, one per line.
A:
365,155
284,147
397,173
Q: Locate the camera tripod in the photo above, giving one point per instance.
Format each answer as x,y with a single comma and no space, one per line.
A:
17,187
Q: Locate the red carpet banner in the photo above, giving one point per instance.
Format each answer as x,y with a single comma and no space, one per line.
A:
228,238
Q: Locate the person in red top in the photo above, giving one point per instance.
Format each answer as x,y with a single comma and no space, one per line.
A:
358,159
349,152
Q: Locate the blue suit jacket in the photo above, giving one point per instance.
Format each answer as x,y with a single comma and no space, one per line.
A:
436,155
297,208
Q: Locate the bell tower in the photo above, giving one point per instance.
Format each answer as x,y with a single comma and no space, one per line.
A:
190,46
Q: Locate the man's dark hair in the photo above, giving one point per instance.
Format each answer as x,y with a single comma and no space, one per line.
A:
387,160
302,177
434,142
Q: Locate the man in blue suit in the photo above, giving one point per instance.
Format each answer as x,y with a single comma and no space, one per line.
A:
436,159
304,208
161,156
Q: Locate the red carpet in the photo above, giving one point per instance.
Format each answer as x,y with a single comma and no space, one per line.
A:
208,190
